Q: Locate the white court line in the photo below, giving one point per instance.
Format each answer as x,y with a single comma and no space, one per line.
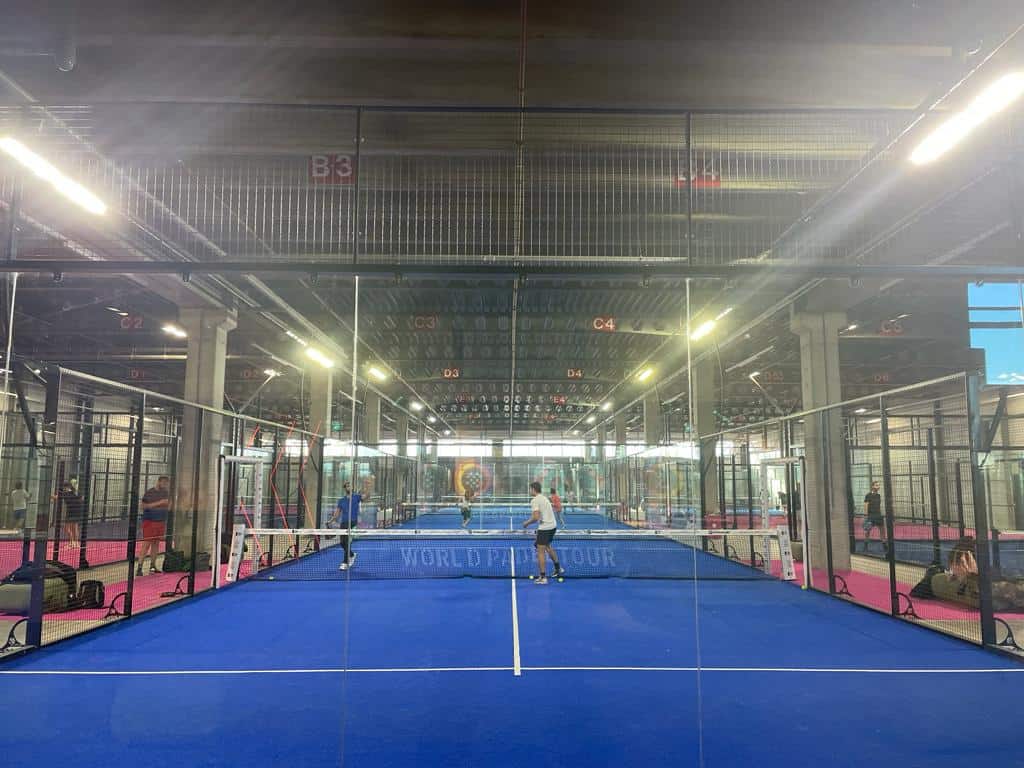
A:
403,670
517,668
786,670
309,671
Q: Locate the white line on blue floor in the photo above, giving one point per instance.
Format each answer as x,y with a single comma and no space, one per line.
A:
406,670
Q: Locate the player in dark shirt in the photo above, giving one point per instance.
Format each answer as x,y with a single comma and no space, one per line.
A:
873,515
155,504
74,515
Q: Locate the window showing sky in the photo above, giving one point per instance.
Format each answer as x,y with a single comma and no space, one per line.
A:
1004,347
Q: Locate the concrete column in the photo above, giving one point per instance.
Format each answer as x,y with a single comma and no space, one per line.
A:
653,422
319,417
820,384
207,331
402,433
371,417
703,415
620,434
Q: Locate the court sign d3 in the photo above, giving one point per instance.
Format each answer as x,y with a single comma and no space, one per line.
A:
332,169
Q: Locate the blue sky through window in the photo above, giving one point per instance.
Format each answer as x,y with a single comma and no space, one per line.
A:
1004,347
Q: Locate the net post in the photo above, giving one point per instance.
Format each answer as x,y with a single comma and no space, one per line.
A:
750,486
84,452
826,478
933,498
47,487
196,465
890,527
960,500
320,441
851,503
976,444
735,507
133,499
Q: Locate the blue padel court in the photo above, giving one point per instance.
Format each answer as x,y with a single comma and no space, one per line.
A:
503,672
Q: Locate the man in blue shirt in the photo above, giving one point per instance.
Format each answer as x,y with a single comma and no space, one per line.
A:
346,516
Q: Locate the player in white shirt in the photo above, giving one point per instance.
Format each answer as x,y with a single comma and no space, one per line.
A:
544,516
19,504
465,502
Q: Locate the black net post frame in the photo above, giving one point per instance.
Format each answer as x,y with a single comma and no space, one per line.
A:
825,463
933,499
137,437
197,452
890,522
47,488
977,443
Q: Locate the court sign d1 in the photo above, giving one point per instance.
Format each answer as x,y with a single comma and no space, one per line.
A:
332,169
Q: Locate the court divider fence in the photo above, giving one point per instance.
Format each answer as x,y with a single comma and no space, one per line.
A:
940,545
91,455
909,502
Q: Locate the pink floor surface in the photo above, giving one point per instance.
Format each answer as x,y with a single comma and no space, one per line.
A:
96,552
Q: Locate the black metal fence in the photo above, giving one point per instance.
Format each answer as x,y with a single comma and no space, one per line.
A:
95,542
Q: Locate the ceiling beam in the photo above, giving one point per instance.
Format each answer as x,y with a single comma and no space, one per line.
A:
622,268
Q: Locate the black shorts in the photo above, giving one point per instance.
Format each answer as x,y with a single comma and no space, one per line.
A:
544,537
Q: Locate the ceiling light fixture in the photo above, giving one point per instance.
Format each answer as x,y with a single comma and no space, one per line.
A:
316,355
432,419
607,405
991,101
70,189
702,330
591,419
645,374
416,406
377,373
271,373
301,341
117,311
175,331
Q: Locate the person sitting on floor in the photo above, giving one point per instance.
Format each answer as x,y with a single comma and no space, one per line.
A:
960,583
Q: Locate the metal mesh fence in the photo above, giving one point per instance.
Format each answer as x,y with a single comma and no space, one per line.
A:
452,186
113,499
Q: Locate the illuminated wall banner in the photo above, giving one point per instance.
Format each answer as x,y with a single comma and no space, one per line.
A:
470,474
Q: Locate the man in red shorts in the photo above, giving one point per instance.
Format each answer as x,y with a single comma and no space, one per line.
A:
155,504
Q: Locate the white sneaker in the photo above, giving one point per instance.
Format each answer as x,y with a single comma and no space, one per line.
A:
343,567
541,580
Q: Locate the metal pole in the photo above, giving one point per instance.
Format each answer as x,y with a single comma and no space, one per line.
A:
933,498
735,508
197,455
133,500
976,439
826,475
355,384
46,488
889,514
7,357
750,488
960,501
